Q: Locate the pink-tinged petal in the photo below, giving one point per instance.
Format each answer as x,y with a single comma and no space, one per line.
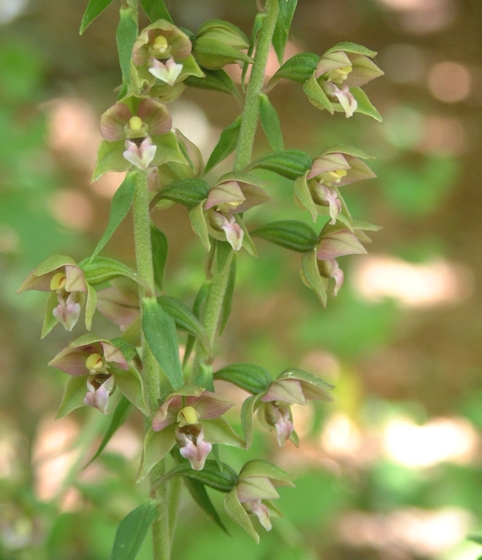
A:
254,197
363,71
262,513
167,413
68,310
122,308
112,354
344,96
255,488
285,390
209,405
195,453
358,171
326,163
326,196
284,425
98,395
113,121
338,244
167,72
330,269
225,197
156,116
75,279
71,361
193,153
140,156
332,61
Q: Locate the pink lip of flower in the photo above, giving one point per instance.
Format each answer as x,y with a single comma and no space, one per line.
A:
233,231
167,72
98,392
344,96
330,269
140,156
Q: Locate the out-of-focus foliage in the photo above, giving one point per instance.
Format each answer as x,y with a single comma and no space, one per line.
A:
391,469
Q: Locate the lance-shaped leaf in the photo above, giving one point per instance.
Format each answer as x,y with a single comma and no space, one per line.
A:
132,531
287,163
185,319
228,297
290,234
121,203
94,9
226,144
250,377
160,332
126,36
121,413
103,269
188,192
156,9
159,254
215,80
200,496
283,23
298,68
270,123
220,477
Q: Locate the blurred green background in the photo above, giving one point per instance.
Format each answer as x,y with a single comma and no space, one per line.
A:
391,470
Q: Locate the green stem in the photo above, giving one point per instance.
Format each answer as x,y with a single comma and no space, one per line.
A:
150,367
249,121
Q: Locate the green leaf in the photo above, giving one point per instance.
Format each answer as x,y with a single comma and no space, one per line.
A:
159,255
73,397
199,225
132,531
270,123
287,163
126,36
216,80
121,203
364,105
298,68
281,31
156,446
226,144
188,192
311,276
94,9
120,415
290,234
200,496
250,377
160,332
185,319
228,297
238,514
103,269
156,9
220,477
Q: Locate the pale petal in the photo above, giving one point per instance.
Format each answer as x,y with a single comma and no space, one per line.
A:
140,156
167,72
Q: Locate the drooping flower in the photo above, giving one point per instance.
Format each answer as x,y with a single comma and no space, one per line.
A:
64,279
162,60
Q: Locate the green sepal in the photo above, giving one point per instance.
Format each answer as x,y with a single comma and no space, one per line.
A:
287,163
218,430
126,36
129,383
185,320
247,418
243,177
156,446
160,332
159,255
351,48
48,265
238,514
303,198
120,415
349,150
120,206
364,105
219,477
156,9
322,387
290,234
283,23
103,269
250,377
188,192
259,467
93,10
215,80
200,496
298,68
90,306
73,397
270,123
318,97
128,350
228,296
248,243
311,277
49,320
213,54
199,225
132,531
226,144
